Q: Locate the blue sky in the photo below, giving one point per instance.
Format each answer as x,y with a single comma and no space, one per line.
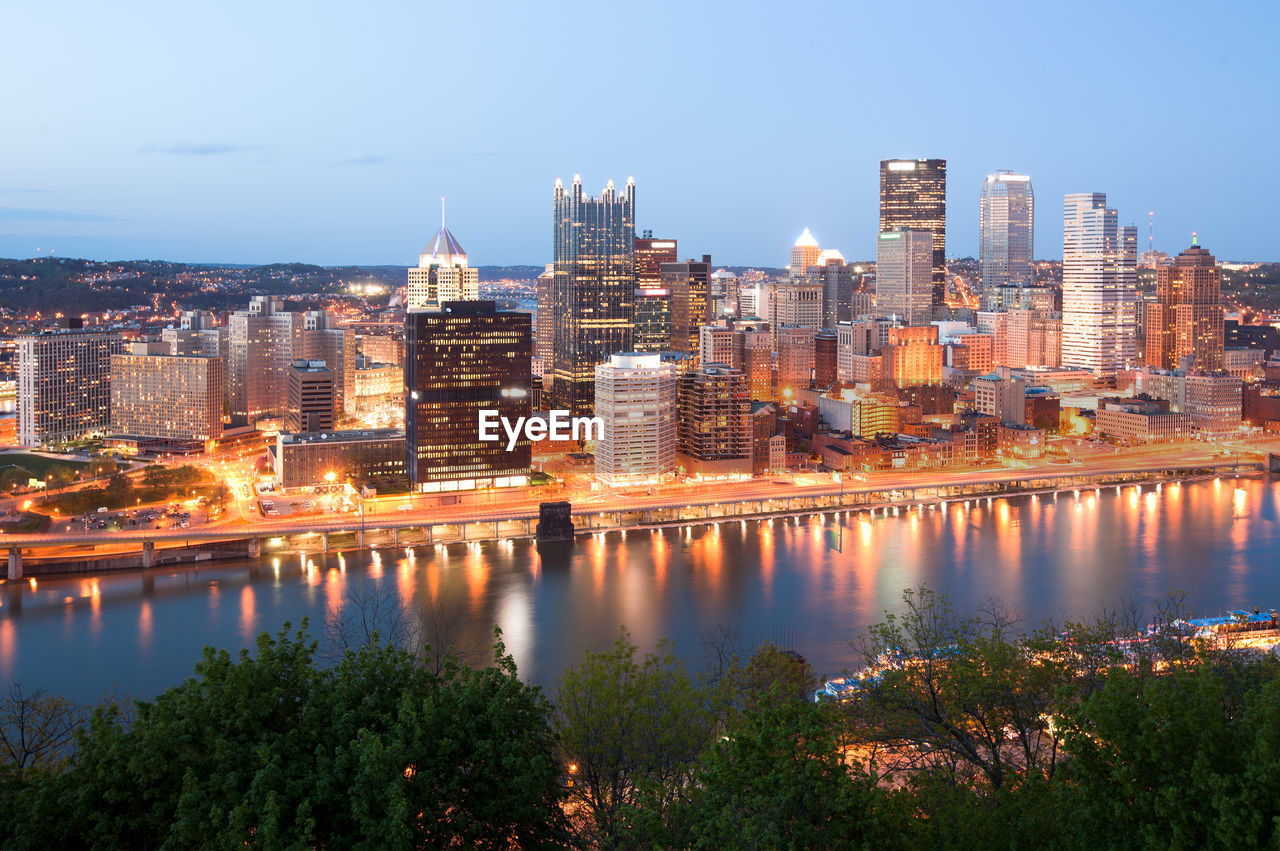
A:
327,132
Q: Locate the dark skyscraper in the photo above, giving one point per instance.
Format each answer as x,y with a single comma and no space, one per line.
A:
913,196
653,300
593,292
690,284
459,361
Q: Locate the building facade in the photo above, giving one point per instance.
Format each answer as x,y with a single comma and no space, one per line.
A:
637,400
913,196
593,291
64,384
1186,319
460,361
158,396
904,275
312,397
1099,287
1006,234
442,274
309,459
261,343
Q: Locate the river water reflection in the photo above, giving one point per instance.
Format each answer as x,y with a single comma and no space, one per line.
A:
811,585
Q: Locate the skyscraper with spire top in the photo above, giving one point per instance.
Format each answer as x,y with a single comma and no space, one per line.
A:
594,287
442,273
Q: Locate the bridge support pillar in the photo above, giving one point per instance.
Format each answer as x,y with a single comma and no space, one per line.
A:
360,539
395,536
255,548
148,554
15,563
324,538
464,531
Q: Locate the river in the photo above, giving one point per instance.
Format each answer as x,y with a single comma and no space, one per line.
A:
811,585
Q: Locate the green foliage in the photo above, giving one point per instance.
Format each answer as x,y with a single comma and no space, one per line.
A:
630,733
272,751
779,781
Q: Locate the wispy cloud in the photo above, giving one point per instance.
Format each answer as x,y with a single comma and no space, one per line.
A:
204,149
23,214
363,159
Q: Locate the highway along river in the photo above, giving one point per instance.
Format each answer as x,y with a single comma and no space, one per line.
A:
810,585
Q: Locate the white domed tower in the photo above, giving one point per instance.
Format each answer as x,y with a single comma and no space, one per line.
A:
804,254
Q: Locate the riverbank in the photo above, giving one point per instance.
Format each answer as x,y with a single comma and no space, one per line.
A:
590,522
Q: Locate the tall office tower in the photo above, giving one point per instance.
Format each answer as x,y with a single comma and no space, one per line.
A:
716,344
636,397
64,384
795,360
196,342
594,289
757,361
904,275
796,302
997,325
1099,286
825,359
1186,318
714,416
442,273
726,282
461,360
836,278
653,298
311,397
1006,234
174,400
261,343
913,196
803,254
690,285
1033,339
323,339
545,321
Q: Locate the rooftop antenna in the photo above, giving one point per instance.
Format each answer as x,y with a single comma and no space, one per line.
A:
1195,238
442,212
1151,231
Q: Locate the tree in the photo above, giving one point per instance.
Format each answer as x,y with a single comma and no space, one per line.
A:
271,750
780,781
956,695
630,733
119,486
36,729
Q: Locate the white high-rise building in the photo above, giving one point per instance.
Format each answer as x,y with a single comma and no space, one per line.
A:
636,397
1099,286
904,275
804,254
442,273
64,384
1006,233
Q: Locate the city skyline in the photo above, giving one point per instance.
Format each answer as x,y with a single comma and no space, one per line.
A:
279,158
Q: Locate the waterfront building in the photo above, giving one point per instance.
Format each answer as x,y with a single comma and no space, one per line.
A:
714,427
461,360
836,278
803,254
1214,400
164,401
594,288
64,384
442,274
261,343
309,459
913,196
1186,319
1099,287
1006,235
1141,421
764,427
311,397
688,284
637,400
904,275
862,413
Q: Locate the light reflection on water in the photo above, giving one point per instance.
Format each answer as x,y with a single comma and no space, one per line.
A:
818,581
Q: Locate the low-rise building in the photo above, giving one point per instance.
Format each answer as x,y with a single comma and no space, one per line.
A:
1141,421
308,459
